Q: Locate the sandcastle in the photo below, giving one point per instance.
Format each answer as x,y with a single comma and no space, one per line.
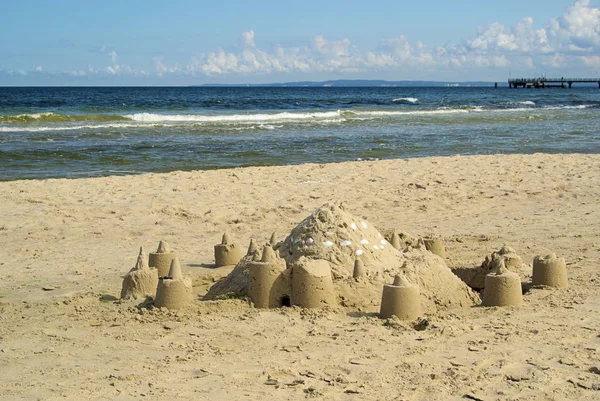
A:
141,281
161,259
227,252
550,271
402,241
400,299
435,245
475,276
174,291
502,287
333,235
267,284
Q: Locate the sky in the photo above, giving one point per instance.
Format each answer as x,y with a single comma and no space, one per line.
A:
185,42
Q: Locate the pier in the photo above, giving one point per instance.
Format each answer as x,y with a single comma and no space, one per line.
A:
543,82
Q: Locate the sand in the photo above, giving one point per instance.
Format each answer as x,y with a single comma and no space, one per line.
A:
65,246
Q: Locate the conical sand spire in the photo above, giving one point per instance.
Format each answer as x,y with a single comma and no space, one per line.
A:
163,247
251,248
273,240
401,281
227,239
396,241
142,262
175,271
268,254
359,269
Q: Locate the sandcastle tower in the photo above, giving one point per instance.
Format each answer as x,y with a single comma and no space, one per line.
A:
273,239
395,241
174,291
227,252
502,287
312,285
359,269
550,271
141,281
400,299
161,259
267,286
251,248
435,245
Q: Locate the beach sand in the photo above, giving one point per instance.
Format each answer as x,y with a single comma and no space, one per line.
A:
66,244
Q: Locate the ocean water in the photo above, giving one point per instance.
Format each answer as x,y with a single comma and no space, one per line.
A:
87,132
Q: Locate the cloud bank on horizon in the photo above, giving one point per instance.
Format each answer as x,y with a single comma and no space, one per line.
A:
569,42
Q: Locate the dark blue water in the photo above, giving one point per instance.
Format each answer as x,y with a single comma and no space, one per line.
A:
83,132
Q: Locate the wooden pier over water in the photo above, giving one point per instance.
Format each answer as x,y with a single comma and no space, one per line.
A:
543,82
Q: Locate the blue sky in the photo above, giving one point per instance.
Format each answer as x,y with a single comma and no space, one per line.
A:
195,42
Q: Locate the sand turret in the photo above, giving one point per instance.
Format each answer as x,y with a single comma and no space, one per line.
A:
436,246
273,239
400,299
475,276
359,269
502,287
268,288
550,271
252,248
395,241
312,286
141,281
227,252
161,259
174,291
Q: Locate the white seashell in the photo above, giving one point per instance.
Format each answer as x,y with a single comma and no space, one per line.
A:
375,247
310,241
328,244
359,252
363,224
353,226
364,241
327,234
383,242
346,243
379,235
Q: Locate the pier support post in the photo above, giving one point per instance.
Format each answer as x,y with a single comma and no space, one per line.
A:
570,84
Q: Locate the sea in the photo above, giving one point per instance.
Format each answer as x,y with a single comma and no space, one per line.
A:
71,132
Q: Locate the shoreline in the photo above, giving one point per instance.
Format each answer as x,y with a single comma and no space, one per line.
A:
65,243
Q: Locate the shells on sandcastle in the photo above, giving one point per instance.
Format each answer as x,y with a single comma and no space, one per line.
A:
359,269
267,286
435,245
334,235
312,286
161,259
475,276
174,291
141,281
400,299
550,271
227,252
502,287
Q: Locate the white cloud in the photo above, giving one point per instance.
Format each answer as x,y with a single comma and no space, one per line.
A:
39,68
248,38
113,56
570,40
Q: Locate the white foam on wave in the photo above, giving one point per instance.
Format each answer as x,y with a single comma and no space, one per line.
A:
412,100
231,118
527,103
65,127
